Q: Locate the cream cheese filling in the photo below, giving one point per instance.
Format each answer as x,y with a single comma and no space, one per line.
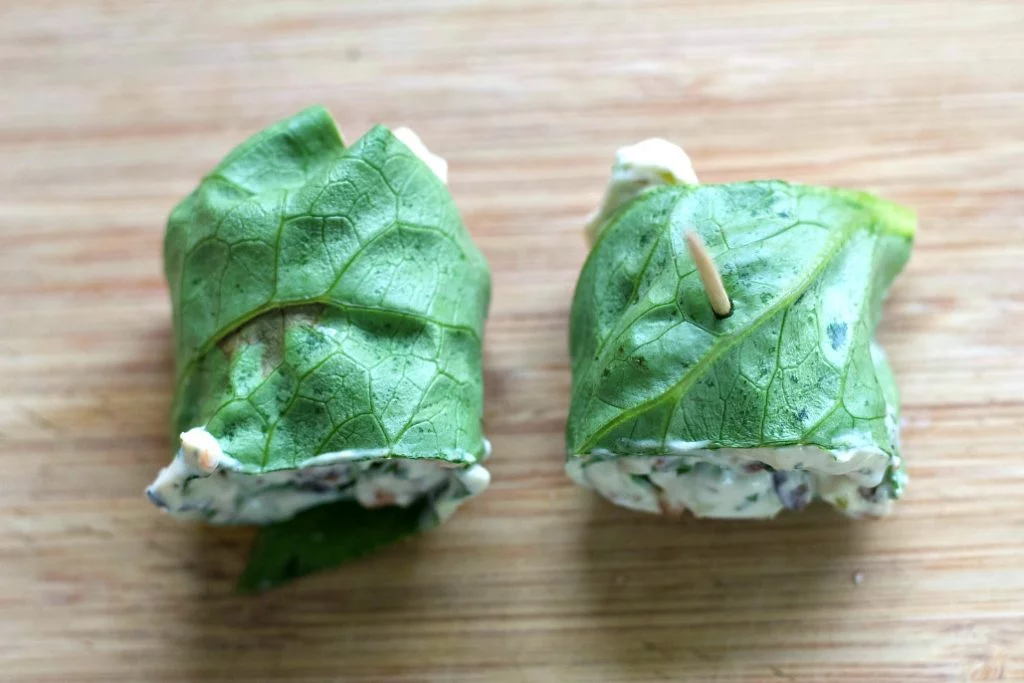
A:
434,162
201,482
739,482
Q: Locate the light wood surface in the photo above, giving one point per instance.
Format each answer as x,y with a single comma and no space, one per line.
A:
110,111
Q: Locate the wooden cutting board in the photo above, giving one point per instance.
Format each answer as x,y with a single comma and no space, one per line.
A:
110,111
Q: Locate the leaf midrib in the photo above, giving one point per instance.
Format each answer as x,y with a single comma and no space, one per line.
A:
314,301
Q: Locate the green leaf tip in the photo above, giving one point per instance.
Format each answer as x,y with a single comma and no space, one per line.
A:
324,537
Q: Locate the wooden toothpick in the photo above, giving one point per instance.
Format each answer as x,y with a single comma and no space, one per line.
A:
709,275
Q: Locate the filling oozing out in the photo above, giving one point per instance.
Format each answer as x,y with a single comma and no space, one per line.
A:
639,168
744,483
203,483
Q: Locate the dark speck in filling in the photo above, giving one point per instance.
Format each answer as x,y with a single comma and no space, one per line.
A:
873,495
800,496
836,335
792,497
314,486
802,415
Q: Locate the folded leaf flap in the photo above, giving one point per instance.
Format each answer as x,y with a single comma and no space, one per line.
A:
284,155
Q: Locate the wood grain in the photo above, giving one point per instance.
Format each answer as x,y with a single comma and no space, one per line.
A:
111,110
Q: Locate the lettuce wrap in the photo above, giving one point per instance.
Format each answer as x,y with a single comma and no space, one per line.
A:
787,399
328,308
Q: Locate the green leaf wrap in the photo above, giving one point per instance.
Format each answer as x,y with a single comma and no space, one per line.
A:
326,299
795,364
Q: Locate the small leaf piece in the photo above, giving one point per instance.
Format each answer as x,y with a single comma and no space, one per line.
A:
323,537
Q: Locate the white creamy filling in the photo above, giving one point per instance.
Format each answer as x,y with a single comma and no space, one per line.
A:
638,168
203,483
436,164
738,482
